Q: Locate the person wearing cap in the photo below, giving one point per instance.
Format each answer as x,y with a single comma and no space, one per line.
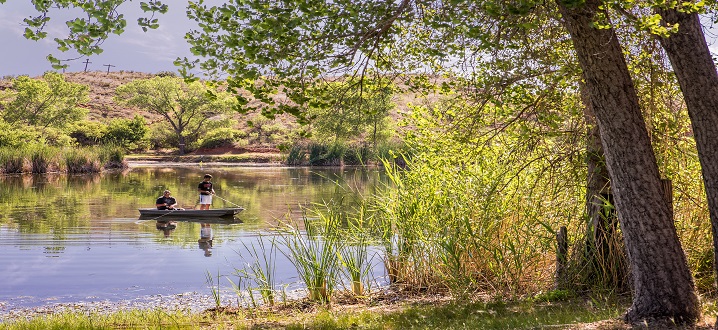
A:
167,202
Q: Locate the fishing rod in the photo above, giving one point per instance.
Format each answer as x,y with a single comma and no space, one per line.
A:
227,201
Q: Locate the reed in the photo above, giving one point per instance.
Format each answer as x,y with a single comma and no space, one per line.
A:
14,161
314,252
111,156
259,275
40,159
44,159
82,161
215,289
297,154
471,226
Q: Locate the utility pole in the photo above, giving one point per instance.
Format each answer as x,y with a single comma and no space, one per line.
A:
87,61
108,67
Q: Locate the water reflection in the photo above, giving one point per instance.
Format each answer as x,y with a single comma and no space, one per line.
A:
205,239
166,227
72,238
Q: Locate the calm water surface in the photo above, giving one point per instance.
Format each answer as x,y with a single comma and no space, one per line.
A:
79,238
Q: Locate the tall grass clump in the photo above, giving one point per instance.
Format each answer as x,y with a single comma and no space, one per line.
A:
14,161
327,155
297,154
468,216
356,261
313,250
357,155
111,156
82,161
259,274
44,159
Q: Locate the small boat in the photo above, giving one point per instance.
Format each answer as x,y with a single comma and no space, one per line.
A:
225,212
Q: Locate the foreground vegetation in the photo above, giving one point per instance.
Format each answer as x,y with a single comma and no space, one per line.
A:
365,314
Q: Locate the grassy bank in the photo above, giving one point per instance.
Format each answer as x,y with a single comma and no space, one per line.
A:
377,313
41,159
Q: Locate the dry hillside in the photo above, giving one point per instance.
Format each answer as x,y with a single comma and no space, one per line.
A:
102,86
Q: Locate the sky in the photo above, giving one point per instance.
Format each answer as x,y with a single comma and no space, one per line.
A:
134,50
151,52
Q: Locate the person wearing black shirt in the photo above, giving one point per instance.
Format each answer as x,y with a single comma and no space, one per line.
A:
167,202
205,192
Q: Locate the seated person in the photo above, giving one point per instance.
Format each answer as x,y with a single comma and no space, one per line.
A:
167,202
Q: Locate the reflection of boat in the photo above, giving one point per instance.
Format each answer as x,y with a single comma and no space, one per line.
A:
226,212
212,220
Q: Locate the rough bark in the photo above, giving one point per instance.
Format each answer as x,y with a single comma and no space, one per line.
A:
662,283
692,63
604,257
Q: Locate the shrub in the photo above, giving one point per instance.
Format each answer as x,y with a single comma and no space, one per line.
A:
88,133
297,154
221,137
166,74
127,133
323,155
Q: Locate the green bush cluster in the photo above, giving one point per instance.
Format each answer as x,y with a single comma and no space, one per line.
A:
222,136
339,154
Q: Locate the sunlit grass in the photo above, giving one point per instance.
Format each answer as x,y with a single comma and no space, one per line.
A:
420,315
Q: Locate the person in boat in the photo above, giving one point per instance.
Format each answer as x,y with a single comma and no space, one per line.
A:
167,202
205,192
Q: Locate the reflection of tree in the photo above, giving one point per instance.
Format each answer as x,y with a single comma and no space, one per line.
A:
52,203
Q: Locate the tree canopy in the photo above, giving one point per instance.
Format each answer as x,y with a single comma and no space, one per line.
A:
47,102
186,107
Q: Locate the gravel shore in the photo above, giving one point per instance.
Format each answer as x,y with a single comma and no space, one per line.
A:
190,302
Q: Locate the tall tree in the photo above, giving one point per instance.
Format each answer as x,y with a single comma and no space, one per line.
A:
693,65
185,107
47,102
663,286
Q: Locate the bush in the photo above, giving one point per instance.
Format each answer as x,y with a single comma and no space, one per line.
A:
297,154
162,136
128,133
323,155
221,137
166,74
357,155
88,133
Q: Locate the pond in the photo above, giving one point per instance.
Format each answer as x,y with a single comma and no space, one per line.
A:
79,238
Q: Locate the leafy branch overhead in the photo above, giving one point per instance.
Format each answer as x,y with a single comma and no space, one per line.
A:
86,34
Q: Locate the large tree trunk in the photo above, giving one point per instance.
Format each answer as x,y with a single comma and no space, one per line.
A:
691,60
662,283
604,259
